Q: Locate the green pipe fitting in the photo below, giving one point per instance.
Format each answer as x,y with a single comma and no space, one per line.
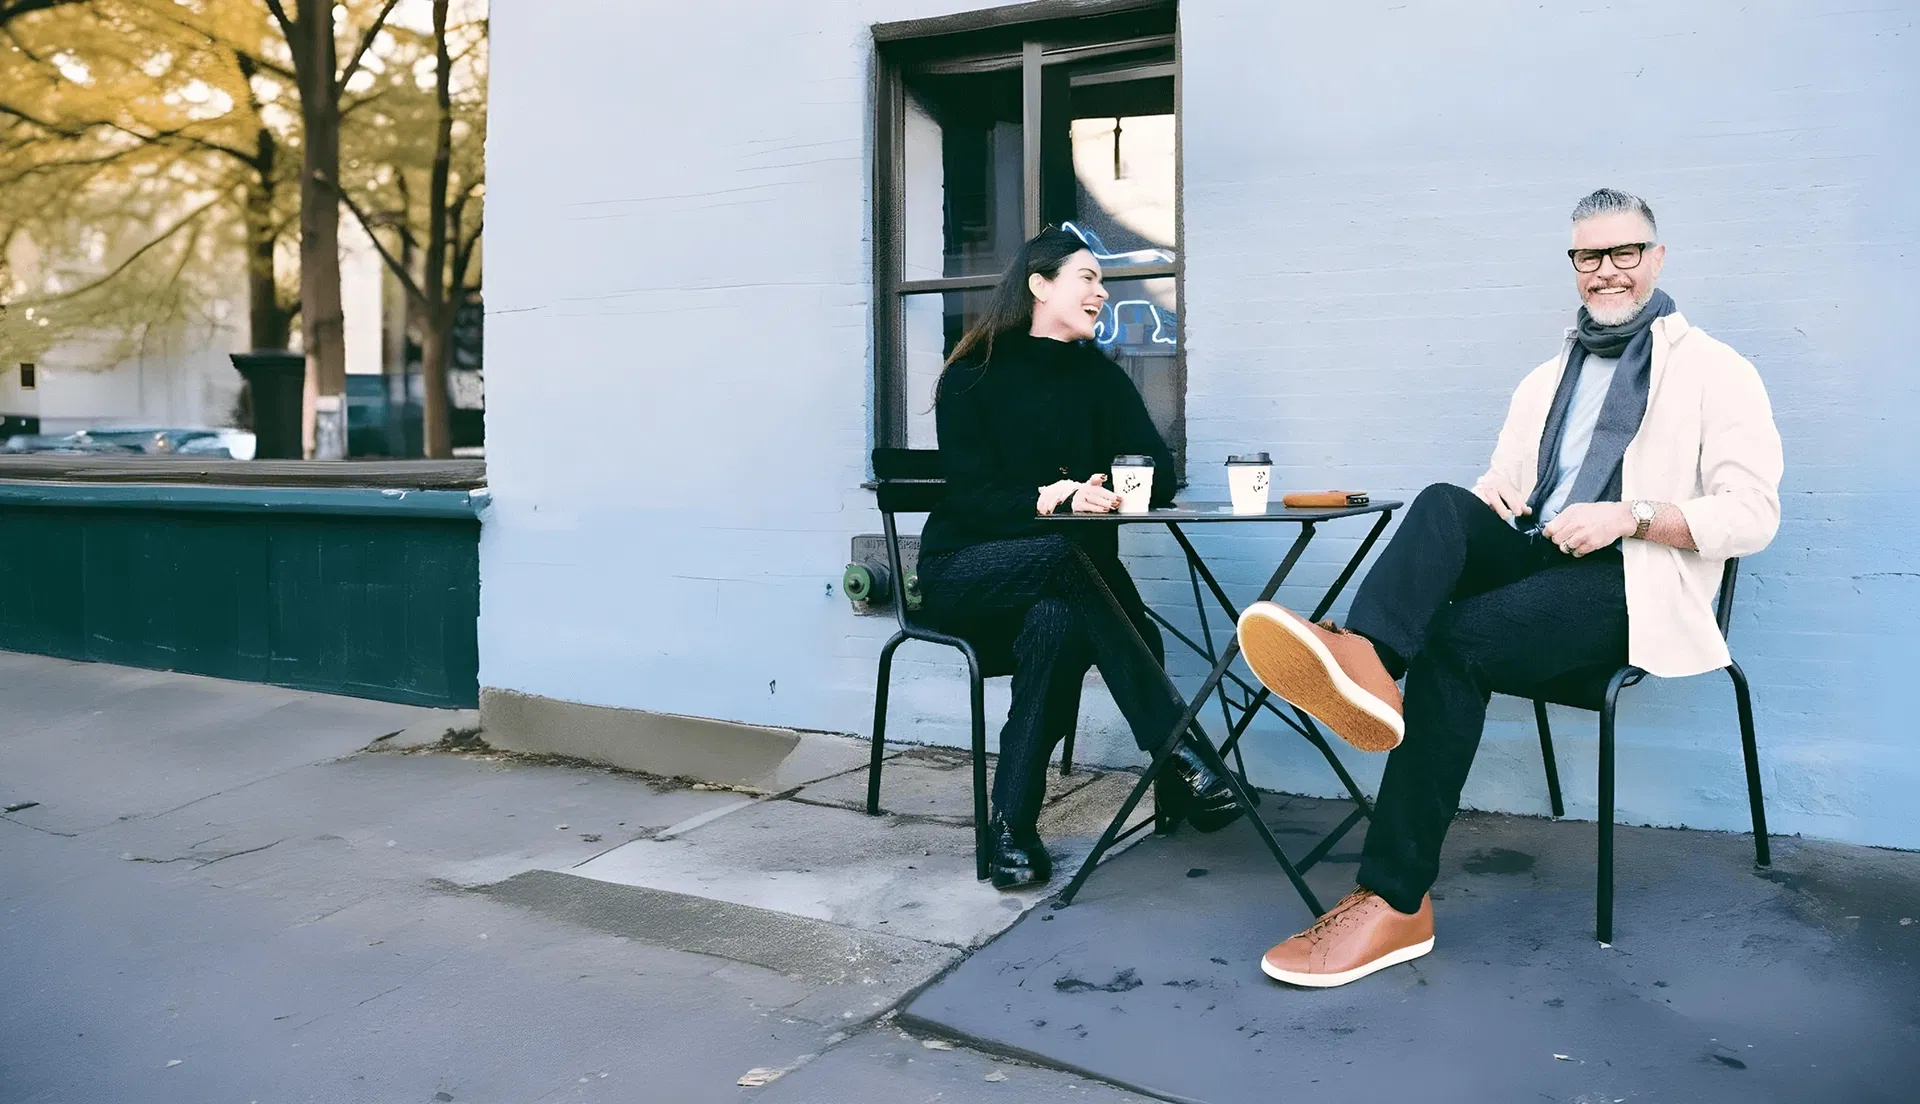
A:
866,583
913,590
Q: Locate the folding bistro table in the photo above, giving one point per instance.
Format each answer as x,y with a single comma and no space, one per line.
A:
1253,699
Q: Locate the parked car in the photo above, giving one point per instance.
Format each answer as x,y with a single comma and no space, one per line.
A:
69,444
221,444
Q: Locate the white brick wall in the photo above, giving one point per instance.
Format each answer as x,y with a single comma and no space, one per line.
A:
1375,206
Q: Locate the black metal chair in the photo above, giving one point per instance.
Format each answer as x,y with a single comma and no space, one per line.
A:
1599,690
912,481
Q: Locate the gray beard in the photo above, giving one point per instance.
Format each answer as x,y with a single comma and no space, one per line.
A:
1626,313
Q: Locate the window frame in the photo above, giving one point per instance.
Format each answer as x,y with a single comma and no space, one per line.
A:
1029,37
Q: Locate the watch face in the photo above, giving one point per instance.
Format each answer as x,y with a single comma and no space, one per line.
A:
1644,511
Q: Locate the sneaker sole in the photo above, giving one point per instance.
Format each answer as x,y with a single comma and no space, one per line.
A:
1284,652
1331,981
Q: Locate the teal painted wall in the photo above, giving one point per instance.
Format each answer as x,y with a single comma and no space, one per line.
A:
367,593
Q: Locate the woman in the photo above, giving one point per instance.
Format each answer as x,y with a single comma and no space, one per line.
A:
1030,414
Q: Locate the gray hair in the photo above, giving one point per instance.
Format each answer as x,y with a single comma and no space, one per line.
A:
1606,201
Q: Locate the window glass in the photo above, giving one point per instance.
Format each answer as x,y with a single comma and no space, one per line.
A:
961,150
932,325
1110,154
1107,170
1140,329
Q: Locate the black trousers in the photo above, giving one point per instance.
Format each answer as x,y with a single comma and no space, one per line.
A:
1036,591
1465,605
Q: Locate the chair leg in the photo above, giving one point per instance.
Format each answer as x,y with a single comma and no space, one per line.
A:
1603,883
976,691
880,722
1546,757
1066,755
1762,854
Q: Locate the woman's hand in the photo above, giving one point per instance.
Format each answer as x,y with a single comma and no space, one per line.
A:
1093,498
1053,494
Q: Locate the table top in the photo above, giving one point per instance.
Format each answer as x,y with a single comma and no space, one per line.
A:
1196,512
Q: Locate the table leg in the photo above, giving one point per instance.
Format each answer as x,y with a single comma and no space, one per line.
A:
1189,716
1305,725
1353,565
1205,748
1188,720
1206,630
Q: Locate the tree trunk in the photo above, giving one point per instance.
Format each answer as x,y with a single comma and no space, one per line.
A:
436,351
268,321
442,300
322,321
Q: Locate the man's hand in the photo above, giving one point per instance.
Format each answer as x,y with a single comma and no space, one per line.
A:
1586,526
1053,494
1505,498
1092,498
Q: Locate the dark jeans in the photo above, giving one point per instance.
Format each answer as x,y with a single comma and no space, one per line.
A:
1467,605
1037,591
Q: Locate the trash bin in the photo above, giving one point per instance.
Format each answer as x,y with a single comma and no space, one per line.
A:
277,379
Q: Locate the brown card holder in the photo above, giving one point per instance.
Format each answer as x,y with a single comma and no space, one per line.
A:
1310,500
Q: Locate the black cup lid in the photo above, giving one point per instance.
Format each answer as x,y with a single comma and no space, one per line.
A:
1133,461
1250,458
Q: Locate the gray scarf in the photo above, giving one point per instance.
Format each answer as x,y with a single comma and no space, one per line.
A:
1620,413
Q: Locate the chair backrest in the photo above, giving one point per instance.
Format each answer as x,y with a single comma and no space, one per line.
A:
1723,606
903,463
911,481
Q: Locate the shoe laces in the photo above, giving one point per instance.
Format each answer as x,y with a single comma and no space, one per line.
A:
1339,912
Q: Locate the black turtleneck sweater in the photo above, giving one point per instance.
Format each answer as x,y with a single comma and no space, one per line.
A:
1040,410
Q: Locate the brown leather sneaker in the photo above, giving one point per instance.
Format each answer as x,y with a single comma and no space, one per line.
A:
1334,675
1359,935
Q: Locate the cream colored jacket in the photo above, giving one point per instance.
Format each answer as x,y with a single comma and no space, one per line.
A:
1708,445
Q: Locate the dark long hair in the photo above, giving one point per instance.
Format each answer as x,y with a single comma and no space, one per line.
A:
1011,308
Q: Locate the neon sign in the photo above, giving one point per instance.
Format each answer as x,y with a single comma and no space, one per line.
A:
1099,249
1107,327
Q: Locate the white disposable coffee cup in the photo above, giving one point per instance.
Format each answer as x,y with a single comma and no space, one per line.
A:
1133,482
1249,480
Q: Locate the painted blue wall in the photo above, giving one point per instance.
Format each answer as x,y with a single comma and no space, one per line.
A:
1375,213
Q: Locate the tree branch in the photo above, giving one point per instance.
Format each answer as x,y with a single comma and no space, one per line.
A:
286,24
14,9
21,46
463,256
132,257
77,163
359,102
393,263
78,130
170,14
366,43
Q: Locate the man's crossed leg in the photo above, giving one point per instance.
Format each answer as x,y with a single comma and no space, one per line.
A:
1460,604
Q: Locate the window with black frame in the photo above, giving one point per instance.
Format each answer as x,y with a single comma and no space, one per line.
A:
987,135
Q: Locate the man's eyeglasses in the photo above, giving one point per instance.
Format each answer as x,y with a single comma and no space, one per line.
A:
1624,256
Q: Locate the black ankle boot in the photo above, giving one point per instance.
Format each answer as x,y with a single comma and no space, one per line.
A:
1016,858
1188,788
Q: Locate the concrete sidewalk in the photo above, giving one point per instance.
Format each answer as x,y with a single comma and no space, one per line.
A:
213,891
218,891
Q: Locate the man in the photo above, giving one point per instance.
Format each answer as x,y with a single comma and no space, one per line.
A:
1631,466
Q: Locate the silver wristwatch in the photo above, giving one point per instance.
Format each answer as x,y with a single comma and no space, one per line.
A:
1643,514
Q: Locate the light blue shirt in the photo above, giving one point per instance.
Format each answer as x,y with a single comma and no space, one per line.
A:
1589,395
